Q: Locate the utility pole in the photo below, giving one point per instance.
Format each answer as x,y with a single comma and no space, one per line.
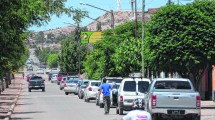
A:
135,5
143,14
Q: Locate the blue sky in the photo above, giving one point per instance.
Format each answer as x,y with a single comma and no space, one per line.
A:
94,13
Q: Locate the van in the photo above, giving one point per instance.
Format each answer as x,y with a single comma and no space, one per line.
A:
129,90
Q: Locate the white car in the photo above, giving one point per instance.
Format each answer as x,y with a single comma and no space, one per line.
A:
40,71
54,78
129,90
70,86
91,90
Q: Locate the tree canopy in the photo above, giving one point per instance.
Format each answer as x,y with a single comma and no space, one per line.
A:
181,39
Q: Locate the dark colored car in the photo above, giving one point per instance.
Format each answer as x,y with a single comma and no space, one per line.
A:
36,82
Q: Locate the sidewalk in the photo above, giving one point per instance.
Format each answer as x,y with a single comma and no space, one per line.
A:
9,96
208,104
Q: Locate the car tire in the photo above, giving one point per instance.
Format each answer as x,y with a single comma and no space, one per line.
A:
117,110
61,88
66,93
101,105
121,111
43,90
29,90
88,100
82,97
196,117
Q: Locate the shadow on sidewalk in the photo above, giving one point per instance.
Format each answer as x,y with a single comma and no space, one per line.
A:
28,112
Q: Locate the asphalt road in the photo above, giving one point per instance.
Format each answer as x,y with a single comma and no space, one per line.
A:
55,105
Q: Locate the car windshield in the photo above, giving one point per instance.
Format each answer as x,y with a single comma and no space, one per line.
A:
115,86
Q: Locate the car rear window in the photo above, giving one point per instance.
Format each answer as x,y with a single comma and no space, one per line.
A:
36,78
95,83
172,85
72,81
129,86
143,86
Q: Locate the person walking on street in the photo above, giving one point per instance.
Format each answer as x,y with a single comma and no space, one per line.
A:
105,89
23,75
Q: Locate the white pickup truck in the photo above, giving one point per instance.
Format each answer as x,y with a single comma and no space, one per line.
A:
173,98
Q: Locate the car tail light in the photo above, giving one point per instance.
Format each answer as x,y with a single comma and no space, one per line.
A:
90,88
198,101
154,100
121,98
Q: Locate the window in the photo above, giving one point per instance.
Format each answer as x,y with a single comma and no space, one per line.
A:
143,86
95,83
172,85
129,86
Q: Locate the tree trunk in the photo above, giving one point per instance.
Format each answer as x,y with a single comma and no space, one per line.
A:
2,84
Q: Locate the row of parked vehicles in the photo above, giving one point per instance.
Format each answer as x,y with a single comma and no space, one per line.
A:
164,98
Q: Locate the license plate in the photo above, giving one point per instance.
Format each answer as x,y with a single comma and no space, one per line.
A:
176,112
36,86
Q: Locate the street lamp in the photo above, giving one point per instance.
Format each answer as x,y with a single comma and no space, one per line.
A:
111,12
77,36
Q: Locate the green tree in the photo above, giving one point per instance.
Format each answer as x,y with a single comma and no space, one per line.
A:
180,39
52,60
117,54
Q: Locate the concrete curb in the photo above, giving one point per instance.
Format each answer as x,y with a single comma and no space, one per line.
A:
8,116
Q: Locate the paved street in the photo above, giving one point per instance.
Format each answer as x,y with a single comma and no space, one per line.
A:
55,105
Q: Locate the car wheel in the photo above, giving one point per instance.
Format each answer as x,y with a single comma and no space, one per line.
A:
66,93
43,90
196,117
121,111
82,97
29,90
101,105
61,88
87,100
117,110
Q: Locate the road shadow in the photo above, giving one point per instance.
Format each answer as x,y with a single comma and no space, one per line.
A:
8,95
21,118
29,112
24,104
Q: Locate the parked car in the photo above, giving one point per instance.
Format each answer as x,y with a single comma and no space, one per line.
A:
54,78
70,86
72,76
29,76
170,98
115,82
129,90
40,71
81,87
91,90
63,82
48,71
55,70
30,68
36,82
